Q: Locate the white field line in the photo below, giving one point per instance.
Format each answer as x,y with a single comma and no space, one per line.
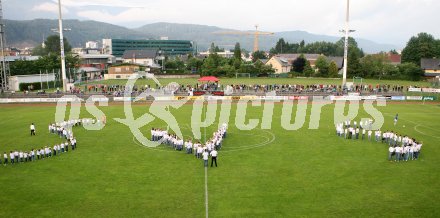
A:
206,192
415,127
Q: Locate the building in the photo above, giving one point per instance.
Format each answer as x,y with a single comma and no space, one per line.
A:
77,51
15,81
282,63
89,73
21,58
431,66
117,47
279,64
121,72
394,59
100,61
86,51
140,57
92,44
339,61
225,54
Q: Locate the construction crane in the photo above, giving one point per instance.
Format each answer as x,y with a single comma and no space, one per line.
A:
256,35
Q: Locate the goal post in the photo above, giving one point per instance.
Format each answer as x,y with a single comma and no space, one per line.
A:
243,75
358,80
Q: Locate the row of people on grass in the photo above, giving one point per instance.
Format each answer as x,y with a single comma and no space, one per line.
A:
62,129
404,152
72,123
352,130
401,147
200,151
15,157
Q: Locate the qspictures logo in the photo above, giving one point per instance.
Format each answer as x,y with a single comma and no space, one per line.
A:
164,98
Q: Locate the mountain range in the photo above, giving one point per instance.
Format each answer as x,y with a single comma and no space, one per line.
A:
29,33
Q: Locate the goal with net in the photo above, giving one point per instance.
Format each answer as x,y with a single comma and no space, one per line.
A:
357,80
242,75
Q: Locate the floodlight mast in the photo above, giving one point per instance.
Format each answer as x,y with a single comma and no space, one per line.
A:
4,68
63,58
346,31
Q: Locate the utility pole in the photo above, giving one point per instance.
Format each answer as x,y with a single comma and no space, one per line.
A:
63,58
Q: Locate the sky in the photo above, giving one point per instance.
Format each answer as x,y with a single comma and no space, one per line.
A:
383,21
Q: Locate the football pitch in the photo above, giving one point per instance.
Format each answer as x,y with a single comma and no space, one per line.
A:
264,172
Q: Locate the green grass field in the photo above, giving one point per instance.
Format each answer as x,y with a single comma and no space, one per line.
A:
261,173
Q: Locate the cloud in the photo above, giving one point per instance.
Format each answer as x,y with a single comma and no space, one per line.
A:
48,7
106,3
127,16
390,21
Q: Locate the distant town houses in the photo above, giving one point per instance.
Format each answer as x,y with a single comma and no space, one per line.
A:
140,57
394,59
120,58
431,66
100,61
123,71
282,63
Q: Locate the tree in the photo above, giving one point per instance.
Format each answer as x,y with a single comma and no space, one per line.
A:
325,48
53,45
421,46
38,51
175,65
237,51
411,71
237,56
374,66
308,70
23,67
354,65
245,52
258,55
322,65
393,51
72,61
194,64
213,63
217,49
352,47
299,64
333,70
284,47
49,59
212,48
278,47
302,43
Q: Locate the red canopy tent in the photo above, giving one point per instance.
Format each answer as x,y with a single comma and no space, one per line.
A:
209,79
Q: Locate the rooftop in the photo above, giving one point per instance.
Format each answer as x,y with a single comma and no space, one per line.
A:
140,54
430,64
